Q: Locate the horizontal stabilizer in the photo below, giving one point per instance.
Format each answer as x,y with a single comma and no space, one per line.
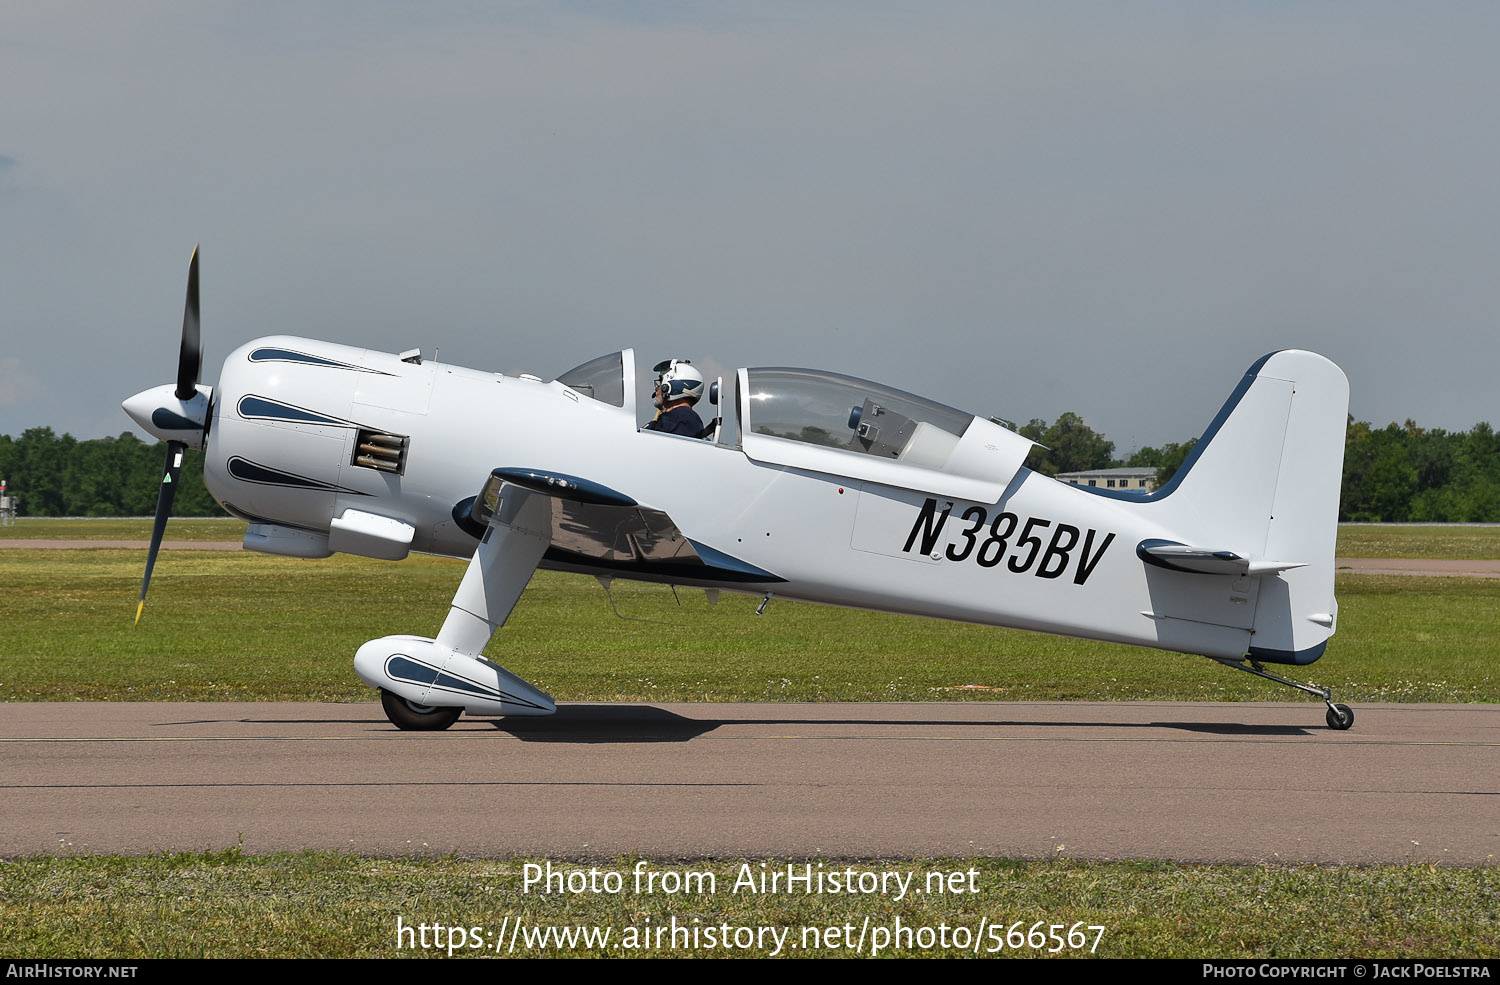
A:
1201,560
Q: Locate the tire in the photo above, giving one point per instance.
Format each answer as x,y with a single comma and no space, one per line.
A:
411,717
1340,718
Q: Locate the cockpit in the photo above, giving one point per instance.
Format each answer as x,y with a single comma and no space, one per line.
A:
836,424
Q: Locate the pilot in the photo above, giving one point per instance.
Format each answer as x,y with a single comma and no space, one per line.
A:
678,387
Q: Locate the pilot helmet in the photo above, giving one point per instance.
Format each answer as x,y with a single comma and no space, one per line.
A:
676,379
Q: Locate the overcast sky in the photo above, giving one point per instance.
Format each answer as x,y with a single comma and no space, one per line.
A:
1016,208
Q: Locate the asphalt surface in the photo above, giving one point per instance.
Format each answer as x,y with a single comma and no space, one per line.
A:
1418,566
1197,782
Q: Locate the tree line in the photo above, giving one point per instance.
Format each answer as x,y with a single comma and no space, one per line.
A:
1398,473
58,475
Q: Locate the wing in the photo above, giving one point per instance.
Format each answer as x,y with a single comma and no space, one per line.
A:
601,531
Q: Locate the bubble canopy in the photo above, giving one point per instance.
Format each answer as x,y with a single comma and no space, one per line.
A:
852,429
838,411
841,426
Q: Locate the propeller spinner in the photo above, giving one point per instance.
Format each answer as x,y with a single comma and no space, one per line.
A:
177,415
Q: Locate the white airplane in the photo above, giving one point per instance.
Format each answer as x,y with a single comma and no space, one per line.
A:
825,488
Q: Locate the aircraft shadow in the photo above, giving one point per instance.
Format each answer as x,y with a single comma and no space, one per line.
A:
378,720
630,723
646,723
608,723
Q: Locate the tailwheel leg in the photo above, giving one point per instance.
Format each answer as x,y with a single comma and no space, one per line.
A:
1340,717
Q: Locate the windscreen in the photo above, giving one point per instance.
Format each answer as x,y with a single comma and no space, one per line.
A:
602,379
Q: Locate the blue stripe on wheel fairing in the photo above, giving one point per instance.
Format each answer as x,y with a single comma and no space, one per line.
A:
403,668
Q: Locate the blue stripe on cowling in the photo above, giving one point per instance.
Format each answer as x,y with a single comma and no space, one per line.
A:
248,471
252,406
290,356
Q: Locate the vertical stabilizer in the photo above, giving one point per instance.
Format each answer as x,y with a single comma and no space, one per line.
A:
1263,484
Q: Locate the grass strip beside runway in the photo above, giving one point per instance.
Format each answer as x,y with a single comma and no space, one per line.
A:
326,904
1370,540
253,627
122,528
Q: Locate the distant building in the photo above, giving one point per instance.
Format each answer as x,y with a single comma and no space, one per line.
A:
1132,480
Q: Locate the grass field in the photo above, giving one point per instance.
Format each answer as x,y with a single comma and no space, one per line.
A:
243,626
1355,540
1469,543
320,904
112,528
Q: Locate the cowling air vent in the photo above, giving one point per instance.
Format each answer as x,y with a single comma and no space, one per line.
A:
380,451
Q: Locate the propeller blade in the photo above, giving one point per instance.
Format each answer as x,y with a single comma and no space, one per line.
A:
190,357
176,450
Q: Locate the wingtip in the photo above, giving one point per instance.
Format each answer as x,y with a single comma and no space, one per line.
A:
138,610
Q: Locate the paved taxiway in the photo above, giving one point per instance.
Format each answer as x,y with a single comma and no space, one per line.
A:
1208,782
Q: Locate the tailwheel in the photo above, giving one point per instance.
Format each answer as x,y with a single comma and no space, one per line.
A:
412,717
1340,717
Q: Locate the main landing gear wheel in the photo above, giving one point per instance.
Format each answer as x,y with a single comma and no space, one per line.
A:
1340,717
408,716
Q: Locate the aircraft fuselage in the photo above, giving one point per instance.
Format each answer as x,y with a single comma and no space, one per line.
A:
291,416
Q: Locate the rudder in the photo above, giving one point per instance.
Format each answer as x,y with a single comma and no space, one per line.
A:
1297,612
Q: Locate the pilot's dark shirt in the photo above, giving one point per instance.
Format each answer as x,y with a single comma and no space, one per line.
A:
681,419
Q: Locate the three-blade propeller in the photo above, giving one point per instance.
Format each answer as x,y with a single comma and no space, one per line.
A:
189,365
